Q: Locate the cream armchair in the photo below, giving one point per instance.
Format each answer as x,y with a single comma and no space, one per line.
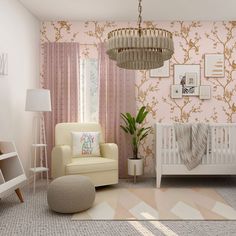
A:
101,170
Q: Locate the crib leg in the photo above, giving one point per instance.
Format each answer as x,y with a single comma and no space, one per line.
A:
158,181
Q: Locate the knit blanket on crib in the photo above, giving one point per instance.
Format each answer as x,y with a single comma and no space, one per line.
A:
192,142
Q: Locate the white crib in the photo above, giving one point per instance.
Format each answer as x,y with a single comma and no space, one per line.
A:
220,158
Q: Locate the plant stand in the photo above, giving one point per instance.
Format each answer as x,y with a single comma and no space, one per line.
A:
135,168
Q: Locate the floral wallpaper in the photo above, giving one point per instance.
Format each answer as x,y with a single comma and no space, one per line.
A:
192,41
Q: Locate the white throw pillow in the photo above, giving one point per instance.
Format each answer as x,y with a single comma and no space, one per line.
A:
85,144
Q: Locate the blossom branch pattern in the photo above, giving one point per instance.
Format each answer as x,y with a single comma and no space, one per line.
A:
98,29
188,43
227,84
145,91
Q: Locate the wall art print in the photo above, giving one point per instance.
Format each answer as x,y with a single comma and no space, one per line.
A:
176,91
205,92
188,76
214,65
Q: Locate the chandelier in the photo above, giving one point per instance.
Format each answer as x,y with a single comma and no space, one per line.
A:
140,48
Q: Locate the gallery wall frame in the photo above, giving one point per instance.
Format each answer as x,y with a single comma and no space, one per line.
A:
190,72
205,92
163,72
176,91
214,65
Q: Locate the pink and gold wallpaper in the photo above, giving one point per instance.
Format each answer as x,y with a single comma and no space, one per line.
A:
192,41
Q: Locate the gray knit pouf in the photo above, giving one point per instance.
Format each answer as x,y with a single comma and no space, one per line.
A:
70,194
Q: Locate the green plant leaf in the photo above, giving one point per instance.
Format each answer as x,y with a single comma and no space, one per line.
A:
131,121
127,118
140,113
143,116
140,131
124,118
144,135
134,123
124,128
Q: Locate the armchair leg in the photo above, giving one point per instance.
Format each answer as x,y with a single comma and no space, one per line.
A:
18,192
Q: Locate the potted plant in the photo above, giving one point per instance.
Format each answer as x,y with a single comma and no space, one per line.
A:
134,127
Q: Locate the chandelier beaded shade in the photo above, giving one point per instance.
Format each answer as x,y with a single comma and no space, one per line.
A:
140,48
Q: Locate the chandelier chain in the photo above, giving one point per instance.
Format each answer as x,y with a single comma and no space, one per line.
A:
139,16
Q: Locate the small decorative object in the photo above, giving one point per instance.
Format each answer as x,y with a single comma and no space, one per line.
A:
3,64
176,91
138,48
205,92
163,71
188,76
133,126
214,65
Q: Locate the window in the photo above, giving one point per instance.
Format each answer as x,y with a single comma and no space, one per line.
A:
89,87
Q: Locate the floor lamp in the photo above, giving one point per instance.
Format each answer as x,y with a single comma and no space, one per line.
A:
39,101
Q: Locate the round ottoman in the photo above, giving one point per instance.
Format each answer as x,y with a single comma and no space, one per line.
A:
71,194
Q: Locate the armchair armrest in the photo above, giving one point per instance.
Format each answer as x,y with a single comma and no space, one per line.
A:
61,156
109,150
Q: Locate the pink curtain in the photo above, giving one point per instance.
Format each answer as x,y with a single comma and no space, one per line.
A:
117,94
60,76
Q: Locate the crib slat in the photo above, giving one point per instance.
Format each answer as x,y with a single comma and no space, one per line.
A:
228,146
232,143
170,157
221,144
217,145
207,149
165,148
213,145
174,146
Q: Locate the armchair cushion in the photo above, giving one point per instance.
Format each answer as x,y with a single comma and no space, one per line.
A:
90,164
85,144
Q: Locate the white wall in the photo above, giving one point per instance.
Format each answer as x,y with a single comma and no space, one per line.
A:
19,38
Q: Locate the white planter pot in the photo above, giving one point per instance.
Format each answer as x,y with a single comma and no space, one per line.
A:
135,166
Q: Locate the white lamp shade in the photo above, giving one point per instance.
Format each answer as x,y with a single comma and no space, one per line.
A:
38,100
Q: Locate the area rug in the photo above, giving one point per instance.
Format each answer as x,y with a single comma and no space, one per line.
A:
158,204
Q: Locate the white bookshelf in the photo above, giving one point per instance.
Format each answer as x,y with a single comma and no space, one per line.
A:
12,175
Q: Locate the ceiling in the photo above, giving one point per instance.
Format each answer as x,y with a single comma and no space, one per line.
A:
126,10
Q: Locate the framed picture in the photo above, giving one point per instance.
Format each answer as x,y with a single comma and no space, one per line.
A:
205,92
163,71
176,91
3,64
214,65
188,76
191,79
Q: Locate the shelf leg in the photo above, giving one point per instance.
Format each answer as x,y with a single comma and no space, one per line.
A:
18,192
